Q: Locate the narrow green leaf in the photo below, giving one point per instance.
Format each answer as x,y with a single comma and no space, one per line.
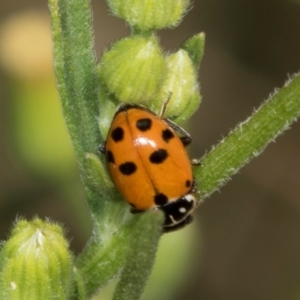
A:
105,254
143,246
249,138
79,293
97,178
75,69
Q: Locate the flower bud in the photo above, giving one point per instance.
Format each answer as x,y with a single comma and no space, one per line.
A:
133,69
181,86
35,263
149,15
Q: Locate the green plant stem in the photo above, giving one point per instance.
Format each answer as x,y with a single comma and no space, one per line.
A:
131,247
75,70
100,263
249,138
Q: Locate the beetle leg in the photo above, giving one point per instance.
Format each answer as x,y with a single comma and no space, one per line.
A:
102,148
196,162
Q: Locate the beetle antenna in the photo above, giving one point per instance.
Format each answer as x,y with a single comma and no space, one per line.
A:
164,105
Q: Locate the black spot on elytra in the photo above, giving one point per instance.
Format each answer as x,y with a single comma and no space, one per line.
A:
110,157
158,156
188,183
160,199
167,135
144,124
117,134
128,168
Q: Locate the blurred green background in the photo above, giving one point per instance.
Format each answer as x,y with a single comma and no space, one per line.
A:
245,241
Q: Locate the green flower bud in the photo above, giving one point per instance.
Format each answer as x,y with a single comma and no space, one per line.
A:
149,15
35,263
181,86
133,69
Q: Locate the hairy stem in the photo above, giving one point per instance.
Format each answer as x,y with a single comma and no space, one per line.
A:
249,138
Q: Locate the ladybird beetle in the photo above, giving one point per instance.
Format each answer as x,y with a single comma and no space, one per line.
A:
148,163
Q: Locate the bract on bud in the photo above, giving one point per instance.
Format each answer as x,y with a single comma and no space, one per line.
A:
194,46
181,86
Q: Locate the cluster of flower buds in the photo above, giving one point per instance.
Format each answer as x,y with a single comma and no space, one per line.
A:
136,70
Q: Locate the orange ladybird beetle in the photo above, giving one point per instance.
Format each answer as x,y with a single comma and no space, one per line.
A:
148,163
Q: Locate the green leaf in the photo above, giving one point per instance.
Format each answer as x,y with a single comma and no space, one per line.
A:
75,70
97,177
105,253
103,259
249,138
79,286
139,262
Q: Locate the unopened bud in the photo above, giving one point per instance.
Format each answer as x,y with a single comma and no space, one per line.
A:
149,15
133,69
181,86
35,263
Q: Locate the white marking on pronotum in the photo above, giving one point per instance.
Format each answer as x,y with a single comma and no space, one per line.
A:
189,198
182,210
